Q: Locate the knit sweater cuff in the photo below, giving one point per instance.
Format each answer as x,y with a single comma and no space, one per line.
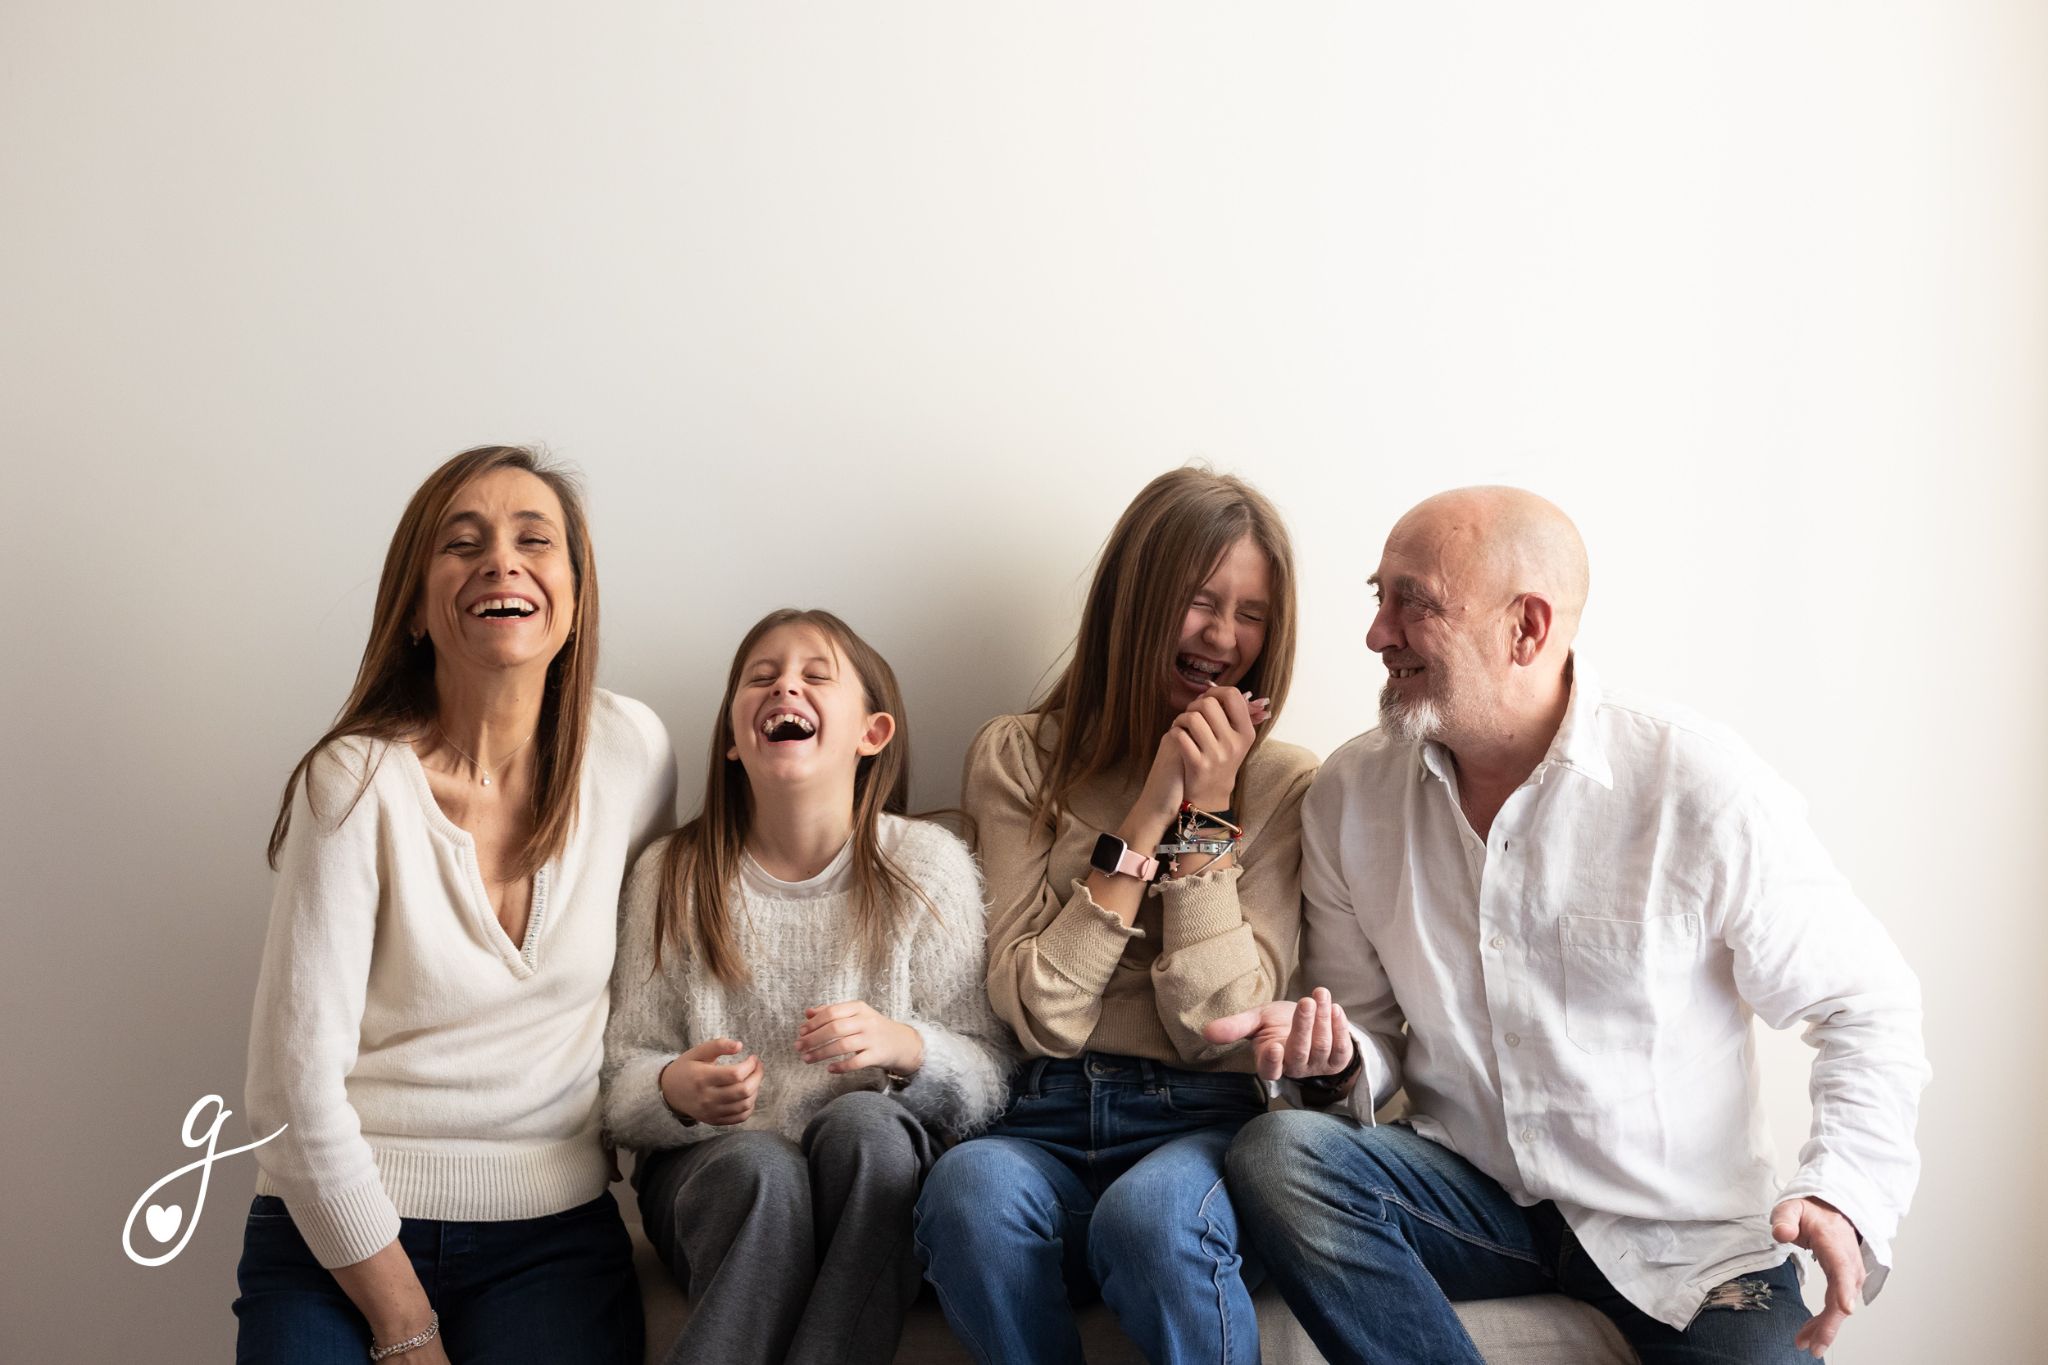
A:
960,1087
1084,942
349,1225
636,1116
1198,908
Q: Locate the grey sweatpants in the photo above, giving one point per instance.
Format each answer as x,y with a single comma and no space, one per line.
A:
792,1252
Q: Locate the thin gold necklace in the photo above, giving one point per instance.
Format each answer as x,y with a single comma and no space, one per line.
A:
476,765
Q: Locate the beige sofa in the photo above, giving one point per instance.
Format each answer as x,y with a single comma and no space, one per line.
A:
1541,1330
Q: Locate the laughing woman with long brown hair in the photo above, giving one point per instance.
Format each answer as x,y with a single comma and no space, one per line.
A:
1142,843
430,1015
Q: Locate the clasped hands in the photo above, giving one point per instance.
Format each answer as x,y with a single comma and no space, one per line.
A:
1200,753
848,1036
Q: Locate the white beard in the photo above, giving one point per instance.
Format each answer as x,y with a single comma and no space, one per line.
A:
1410,721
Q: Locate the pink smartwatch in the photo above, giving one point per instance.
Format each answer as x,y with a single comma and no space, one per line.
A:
1115,858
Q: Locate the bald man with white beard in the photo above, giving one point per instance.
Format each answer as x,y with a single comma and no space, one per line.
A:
1550,911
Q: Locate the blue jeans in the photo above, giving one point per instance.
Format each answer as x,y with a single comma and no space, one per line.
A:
1106,1175
1371,1232
554,1290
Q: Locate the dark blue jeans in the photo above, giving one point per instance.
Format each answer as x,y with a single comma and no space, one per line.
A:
1106,1175
1371,1232
555,1290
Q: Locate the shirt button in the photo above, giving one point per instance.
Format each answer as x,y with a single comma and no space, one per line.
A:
1528,1135
1514,1040
1499,942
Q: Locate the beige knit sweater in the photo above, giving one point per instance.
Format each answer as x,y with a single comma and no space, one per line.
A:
1067,974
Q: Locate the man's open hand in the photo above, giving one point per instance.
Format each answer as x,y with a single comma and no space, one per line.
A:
1820,1227
1293,1038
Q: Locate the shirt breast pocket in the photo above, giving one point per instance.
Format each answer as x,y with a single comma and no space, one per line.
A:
1624,977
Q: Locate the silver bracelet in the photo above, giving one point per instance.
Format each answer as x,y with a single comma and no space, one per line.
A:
413,1342
1216,848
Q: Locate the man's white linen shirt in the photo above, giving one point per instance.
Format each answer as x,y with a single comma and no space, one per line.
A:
1577,988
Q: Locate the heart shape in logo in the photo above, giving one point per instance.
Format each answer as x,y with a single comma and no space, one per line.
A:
163,1222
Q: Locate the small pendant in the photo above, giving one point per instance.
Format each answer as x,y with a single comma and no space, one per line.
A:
487,782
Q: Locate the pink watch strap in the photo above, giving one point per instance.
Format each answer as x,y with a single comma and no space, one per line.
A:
1132,864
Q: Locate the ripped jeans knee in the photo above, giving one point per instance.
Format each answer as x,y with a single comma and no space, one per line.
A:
1744,1294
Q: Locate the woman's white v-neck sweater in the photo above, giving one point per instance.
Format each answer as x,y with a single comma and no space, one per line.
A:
421,1063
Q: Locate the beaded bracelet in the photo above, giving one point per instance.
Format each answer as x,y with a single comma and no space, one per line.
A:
1193,823
1197,831
413,1342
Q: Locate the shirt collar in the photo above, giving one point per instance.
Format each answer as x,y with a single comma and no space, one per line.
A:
1577,744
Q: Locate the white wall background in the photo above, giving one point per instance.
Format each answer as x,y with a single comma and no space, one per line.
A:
890,308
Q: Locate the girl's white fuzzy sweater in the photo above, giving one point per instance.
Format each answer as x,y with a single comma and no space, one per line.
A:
799,942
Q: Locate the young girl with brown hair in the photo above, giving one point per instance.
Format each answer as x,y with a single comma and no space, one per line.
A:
798,1011
1142,844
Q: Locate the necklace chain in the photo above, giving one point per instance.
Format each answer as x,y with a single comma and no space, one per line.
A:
478,766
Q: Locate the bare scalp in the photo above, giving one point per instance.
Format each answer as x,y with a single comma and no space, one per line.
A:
1496,543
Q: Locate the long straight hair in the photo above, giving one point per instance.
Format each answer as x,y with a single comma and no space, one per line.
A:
701,866
393,698
1110,701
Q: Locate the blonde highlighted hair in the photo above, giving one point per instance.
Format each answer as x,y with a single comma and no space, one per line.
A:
700,867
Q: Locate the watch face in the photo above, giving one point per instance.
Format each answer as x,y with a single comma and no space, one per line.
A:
1109,851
